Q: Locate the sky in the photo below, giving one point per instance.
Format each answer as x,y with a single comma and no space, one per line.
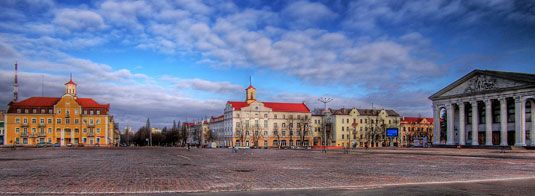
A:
183,60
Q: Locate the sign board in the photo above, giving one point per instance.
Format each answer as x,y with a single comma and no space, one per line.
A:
391,132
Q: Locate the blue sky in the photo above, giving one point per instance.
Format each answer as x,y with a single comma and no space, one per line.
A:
182,60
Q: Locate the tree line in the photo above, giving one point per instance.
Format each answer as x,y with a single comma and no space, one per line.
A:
176,135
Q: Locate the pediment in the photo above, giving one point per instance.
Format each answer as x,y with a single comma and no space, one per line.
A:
478,82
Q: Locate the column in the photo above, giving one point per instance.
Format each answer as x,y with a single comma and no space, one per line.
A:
62,141
449,131
503,121
72,136
488,122
520,120
436,123
475,123
462,125
532,130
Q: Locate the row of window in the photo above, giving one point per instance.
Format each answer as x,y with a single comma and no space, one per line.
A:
49,140
283,133
58,111
275,116
58,130
58,121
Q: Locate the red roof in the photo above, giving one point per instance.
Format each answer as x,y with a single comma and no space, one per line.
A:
37,102
70,82
275,106
90,103
415,120
51,101
250,86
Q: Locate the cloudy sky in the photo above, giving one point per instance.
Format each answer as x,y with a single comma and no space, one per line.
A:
183,59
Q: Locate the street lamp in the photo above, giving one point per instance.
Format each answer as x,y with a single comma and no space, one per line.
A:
325,100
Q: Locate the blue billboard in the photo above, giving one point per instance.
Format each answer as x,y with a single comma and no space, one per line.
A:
391,132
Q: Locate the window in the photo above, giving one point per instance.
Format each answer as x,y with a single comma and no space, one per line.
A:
275,116
98,121
67,121
265,115
58,121
42,120
50,111
25,121
58,111
17,130
91,112
76,130
283,132
85,130
265,132
58,130
265,123
343,128
18,111
50,130
98,140
98,130
67,112
34,111
98,112
26,111
76,111
91,121
34,121
76,121
17,120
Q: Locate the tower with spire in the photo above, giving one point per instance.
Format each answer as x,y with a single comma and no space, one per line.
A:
70,87
16,85
250,92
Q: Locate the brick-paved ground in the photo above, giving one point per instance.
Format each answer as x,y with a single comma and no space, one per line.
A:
129,170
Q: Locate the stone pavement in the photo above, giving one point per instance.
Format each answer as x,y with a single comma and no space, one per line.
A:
161,170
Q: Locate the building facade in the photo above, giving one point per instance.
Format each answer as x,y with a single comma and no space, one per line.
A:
2,129
486,108
66,120
216,128
352,127
252,123
416,131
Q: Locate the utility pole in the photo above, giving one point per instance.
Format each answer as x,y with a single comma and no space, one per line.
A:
325,100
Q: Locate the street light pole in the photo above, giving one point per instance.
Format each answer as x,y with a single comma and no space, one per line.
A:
325,100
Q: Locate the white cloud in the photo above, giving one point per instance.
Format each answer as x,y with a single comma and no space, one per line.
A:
308,13
79,19
209,86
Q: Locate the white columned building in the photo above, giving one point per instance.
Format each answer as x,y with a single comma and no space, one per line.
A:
486,108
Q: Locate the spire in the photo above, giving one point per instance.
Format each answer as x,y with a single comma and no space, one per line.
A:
16,84
250,80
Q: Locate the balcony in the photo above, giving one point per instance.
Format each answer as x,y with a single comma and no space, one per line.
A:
41,125
24,125
42,134
67,115
91,134
24,134
90,125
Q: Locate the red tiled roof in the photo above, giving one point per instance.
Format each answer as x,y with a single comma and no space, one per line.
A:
416,120
37,102
70,82
250,86
51,101
275,106
90,103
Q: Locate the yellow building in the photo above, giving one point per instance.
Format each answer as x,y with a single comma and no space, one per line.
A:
67,120
352,127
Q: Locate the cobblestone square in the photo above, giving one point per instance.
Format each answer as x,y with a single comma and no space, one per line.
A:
160,170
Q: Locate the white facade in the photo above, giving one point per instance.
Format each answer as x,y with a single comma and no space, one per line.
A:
487,108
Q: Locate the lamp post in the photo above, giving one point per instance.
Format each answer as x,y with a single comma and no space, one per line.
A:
325,100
